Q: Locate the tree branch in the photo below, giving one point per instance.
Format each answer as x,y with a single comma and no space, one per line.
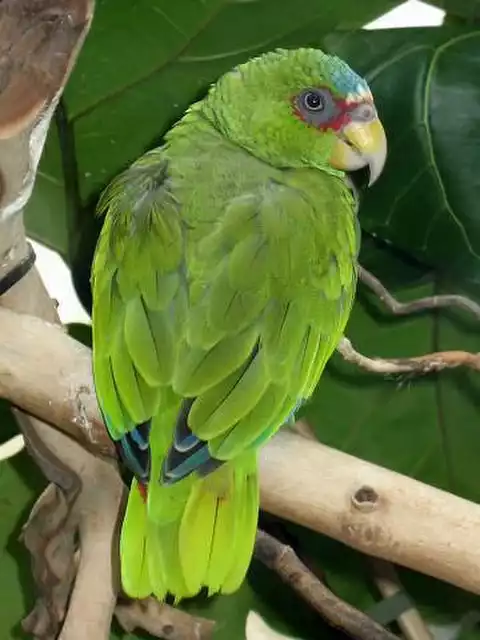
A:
162,621
398,308
283,560
372,509
418,364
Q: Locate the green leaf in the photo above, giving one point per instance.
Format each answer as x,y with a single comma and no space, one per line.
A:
143,63
466,10
425,83
45,214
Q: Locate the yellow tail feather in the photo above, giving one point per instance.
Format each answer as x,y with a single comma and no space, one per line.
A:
204,539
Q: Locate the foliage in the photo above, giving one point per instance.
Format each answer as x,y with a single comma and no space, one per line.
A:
426,88
143,63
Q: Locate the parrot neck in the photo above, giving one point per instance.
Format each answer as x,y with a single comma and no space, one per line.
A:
201,119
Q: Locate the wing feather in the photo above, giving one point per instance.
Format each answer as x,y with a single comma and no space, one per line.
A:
239,315
288,283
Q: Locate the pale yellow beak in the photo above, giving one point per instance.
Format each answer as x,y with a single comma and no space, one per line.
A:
361,144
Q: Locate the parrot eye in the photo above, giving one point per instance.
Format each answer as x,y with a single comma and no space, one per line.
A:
316,107
313,101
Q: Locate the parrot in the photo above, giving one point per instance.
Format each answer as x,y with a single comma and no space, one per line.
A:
222,281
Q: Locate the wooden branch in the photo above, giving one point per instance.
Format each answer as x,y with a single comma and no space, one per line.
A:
27,334
369,508
283,560
39,44
418,365
372,509
78,589
425,364
39,39
162,621
398,308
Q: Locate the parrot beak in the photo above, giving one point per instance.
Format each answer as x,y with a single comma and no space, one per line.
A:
361,144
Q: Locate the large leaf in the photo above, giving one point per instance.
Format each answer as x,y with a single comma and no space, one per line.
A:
425,83
465,10
141,66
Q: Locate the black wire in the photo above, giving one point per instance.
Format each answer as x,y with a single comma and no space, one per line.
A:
18,272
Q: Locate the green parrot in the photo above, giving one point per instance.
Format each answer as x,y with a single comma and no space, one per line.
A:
222,282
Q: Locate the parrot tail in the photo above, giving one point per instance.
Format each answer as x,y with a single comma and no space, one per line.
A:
200,532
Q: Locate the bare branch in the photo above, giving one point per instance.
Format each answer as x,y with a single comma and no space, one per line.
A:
49,535
22,334
162,621
418,364
283,560
39,44
39,40
77,591
372,509
421,304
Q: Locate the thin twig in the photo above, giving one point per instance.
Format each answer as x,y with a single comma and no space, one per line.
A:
283,560
11,447
419,364
421,304
410,621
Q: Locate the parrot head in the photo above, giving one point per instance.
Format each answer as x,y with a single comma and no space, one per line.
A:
300,107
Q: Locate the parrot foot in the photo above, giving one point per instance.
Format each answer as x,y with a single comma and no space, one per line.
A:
18,271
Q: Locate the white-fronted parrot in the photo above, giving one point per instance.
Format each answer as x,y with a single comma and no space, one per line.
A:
223,279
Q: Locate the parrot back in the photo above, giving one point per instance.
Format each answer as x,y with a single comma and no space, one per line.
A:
221,287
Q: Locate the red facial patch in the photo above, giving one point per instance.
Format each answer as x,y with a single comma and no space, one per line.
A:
142,488
342,117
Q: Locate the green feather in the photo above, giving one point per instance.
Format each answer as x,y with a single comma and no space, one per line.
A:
231,309
107,318
227,446
249,265
139,398
227,402
221,560
140,341
158,290
283,329
164,561
110,402
200,332
196,533
202,369
133,547
247,489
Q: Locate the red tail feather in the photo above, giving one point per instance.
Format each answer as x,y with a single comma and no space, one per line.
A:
143,491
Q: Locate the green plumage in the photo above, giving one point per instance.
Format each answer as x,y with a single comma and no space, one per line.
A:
224,274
